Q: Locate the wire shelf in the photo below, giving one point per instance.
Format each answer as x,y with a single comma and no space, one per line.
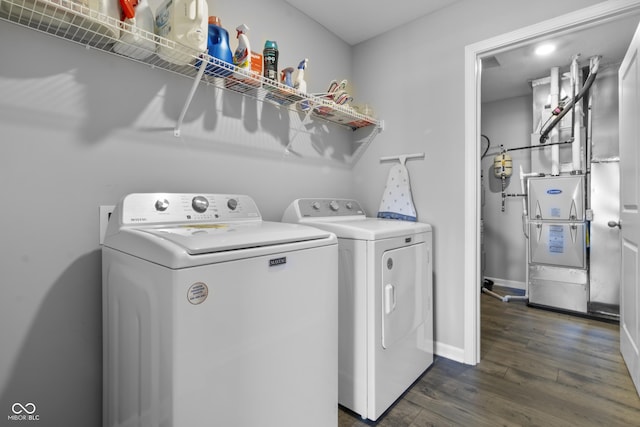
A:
75,22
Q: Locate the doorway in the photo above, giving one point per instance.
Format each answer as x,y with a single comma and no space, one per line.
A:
586,18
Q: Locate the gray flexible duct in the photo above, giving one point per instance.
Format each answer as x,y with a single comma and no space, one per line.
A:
544,135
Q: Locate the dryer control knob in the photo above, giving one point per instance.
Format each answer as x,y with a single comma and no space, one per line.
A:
349,205
200,204
334,205
162,205
232,204
316,205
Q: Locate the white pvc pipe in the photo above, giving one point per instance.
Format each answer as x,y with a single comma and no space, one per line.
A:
577,114
555,100
525,223
495,295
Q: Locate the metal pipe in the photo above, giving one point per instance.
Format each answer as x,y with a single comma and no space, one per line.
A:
504,185
531,147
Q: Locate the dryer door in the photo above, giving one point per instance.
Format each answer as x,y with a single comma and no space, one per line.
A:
403,292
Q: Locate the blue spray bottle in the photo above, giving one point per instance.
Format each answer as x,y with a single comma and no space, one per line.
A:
300,83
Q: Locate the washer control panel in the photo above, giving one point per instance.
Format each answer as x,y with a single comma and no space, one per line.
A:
152,208
315,208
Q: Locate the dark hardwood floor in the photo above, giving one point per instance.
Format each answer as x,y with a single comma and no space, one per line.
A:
537,368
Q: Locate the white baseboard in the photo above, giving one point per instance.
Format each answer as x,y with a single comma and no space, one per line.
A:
449,352
456,353
507,283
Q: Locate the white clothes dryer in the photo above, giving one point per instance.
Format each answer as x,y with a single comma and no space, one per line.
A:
385,301
215,317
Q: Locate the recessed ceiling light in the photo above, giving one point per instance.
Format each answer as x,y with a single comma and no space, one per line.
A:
545,49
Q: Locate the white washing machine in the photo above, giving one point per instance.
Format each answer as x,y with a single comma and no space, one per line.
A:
215,317
385,301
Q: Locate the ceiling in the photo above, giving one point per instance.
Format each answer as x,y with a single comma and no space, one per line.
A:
355,21
509,74
505,75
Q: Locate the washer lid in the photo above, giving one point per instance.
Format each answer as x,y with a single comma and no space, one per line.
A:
206,238
180,246
368,228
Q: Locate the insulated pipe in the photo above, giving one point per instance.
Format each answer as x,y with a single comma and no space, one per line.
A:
554,93
544,135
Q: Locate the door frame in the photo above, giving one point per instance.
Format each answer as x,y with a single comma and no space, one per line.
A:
578,20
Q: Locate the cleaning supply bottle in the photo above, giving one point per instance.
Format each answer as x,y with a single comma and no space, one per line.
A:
136,35
285,76
300,84
218,47
242,55
185,23
270,58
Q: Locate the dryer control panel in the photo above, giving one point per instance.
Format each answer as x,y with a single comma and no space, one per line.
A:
318,208
163,208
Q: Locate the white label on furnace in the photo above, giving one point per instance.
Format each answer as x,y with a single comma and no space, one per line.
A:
556,239
197,293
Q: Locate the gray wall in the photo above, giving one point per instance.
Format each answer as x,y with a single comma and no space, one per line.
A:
81,129
506,123
420,95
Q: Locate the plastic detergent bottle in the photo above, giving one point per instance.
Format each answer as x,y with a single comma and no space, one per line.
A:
136,37
285,76
218,47
270,58
184,22
242,55
301,84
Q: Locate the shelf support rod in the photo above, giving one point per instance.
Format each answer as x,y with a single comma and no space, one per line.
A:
203,66
304,121
363,145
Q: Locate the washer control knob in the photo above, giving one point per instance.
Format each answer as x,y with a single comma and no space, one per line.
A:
334,205
200,204
232,204
316,206
162,205
349,205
